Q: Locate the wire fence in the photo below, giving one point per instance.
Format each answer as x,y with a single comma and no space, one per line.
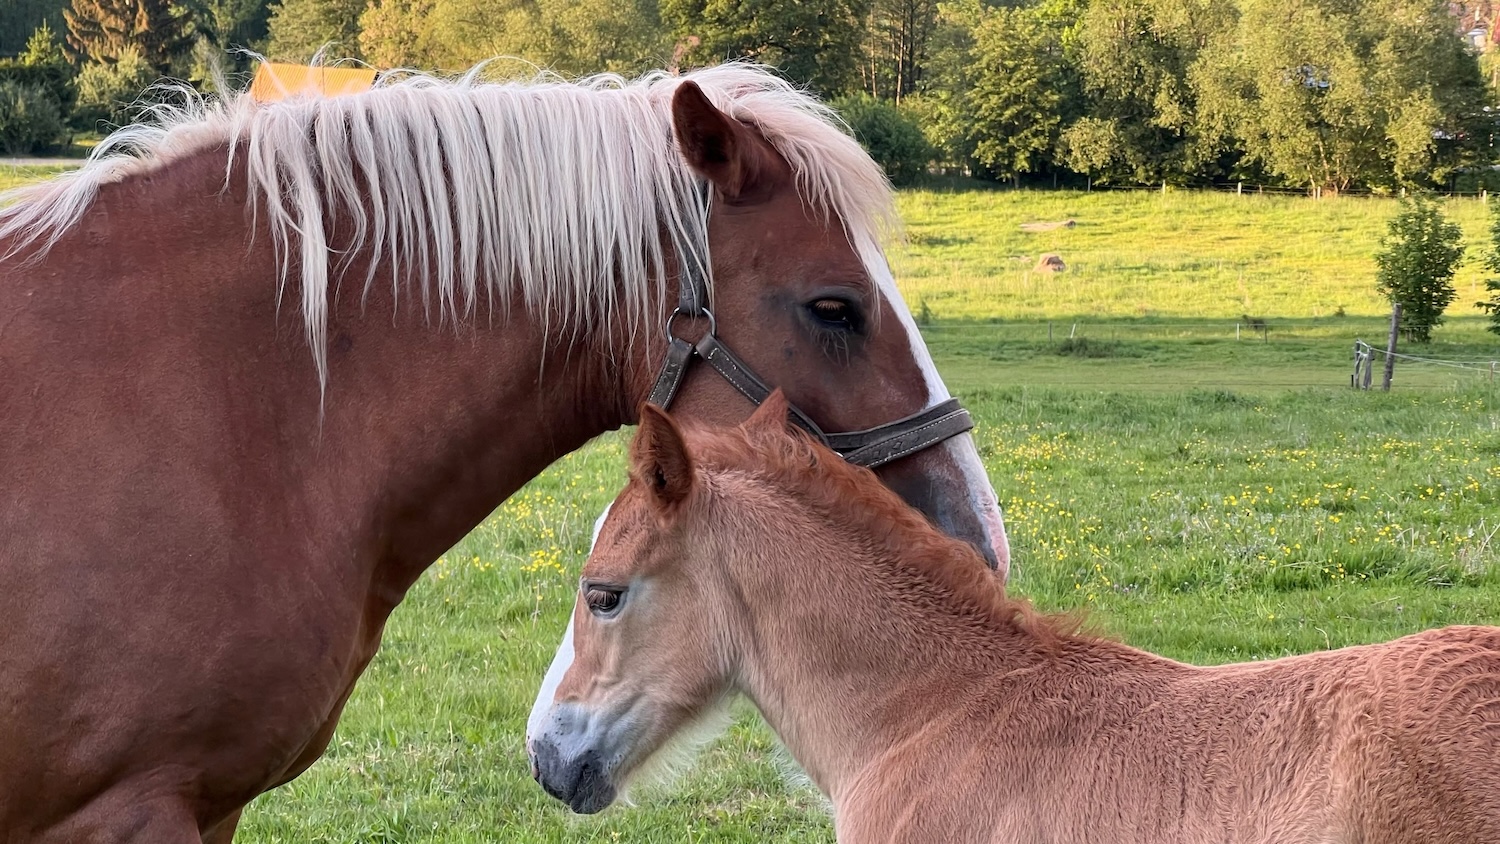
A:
1365,360
1248,189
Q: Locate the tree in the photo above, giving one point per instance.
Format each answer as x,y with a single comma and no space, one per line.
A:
815,43
228,24
30,120
42,63
1136,60
1333,94
898,39
38,94
20,18
572,37
109,94
1001,88
1017,99
1416,265
300,28
889,134
101,29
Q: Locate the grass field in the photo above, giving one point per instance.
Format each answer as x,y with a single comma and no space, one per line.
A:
1207,497
1142,254
14,176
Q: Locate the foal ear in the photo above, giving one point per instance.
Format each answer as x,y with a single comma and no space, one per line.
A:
720,148
659,457
773,415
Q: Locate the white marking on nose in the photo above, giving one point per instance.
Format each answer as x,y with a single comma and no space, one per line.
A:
561,661
961,449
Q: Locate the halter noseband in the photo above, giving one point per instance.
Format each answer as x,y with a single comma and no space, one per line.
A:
869,448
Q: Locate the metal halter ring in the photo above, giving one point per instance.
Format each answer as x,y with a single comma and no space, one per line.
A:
713,325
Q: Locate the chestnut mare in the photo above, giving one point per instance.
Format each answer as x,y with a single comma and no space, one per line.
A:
206,516
930,707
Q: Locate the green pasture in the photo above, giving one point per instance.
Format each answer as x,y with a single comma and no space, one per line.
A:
1143,254
16,175
1209,497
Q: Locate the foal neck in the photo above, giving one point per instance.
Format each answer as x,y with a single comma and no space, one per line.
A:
853,645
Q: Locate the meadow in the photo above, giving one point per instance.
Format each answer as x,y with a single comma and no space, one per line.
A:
1207,497
1146,254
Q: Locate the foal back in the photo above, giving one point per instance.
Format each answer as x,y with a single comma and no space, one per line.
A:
1423,757
1397,743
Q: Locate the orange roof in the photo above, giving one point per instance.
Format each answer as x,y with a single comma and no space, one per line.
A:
279,81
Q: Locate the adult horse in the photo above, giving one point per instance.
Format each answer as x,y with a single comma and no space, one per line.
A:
206,518
930,706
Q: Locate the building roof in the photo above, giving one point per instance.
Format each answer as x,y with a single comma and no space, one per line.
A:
275,81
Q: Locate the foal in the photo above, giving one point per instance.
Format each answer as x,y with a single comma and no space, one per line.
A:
929,707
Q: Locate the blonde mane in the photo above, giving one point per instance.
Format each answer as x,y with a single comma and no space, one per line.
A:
560,193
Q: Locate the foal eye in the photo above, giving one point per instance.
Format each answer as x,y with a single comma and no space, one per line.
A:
603,601
835,314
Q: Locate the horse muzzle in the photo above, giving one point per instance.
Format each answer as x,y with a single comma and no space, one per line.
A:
580,779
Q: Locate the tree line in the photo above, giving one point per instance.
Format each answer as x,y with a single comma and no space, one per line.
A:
1330,95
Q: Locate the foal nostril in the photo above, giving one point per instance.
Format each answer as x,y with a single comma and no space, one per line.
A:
551,774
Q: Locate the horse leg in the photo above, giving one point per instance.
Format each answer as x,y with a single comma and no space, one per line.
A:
123,817
223,831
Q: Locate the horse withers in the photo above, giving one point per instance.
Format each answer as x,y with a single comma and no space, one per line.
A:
929,706
260,364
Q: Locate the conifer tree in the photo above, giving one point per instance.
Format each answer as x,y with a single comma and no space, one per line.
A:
100,29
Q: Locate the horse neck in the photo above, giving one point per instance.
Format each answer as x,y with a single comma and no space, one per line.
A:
849,651
466,415
424,427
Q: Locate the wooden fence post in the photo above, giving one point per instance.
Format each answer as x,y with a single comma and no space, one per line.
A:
1390,348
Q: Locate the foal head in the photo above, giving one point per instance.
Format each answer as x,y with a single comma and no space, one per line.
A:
668,598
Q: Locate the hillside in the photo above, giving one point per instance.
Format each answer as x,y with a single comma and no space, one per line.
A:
1146,254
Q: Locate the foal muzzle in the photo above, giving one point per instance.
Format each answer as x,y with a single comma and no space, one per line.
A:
579,778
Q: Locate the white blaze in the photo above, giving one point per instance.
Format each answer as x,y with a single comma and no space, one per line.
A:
960,449
561,661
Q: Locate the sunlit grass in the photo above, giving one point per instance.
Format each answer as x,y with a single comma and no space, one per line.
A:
1143,254
14,176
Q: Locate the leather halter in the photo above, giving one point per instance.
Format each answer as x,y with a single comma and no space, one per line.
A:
869,448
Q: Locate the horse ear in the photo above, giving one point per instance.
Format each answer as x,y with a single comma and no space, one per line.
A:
659,457
719,147
774,414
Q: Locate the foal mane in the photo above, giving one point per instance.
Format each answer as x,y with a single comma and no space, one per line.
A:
557,193
908,545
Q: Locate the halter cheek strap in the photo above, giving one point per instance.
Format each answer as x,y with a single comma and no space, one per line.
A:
870,448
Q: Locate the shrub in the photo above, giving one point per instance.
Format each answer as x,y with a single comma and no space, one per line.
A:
1416,265
42,64
1492,263
106,92
891,137
30,120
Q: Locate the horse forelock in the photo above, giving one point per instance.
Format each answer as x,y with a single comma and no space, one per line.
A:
551,193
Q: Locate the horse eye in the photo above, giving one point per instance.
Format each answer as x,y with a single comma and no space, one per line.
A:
835,314
603,601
